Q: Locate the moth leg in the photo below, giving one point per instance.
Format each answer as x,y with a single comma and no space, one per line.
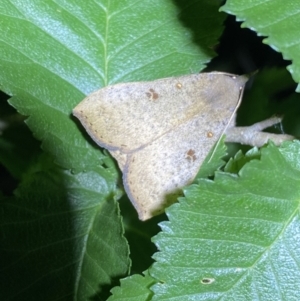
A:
253,135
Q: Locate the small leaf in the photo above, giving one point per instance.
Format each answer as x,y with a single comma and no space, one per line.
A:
133,288
213,160
235,164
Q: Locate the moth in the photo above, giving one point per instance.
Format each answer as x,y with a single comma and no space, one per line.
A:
161,131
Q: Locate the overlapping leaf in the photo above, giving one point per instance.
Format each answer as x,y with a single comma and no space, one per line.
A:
133,288
278,20
235,238
57,241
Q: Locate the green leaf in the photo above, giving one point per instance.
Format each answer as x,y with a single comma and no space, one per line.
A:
275,19
235,238
133,288
61,237
213,160
235,164
55,53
